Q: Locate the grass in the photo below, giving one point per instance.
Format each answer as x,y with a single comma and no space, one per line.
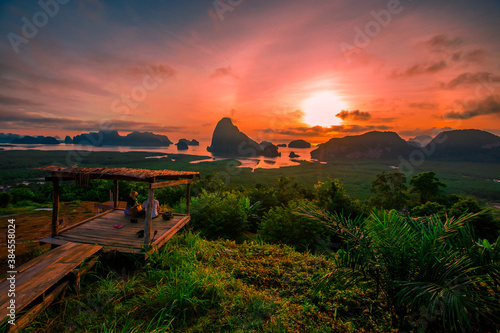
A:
194,285
28,208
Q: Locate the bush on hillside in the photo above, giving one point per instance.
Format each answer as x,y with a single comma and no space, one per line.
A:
5,199
20,194
285,224
219,214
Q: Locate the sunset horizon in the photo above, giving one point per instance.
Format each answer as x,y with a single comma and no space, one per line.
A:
279,71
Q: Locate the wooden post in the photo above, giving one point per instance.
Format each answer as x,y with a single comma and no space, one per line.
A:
55,207
115,191
148,220
188,199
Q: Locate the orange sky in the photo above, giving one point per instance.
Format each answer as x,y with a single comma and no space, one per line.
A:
410,67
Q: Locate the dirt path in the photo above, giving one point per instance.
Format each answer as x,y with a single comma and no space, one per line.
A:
33,226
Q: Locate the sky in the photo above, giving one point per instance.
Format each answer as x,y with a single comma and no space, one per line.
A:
281,70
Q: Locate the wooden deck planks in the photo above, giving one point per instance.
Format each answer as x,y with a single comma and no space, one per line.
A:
42,273
170,232
100,230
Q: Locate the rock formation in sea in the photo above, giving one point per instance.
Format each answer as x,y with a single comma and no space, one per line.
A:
299,144
228,140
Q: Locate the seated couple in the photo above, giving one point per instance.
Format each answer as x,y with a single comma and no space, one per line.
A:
135,209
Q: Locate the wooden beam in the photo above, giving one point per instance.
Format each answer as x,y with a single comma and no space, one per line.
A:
148,221
188,199
172,183
115,192
55,207
158,243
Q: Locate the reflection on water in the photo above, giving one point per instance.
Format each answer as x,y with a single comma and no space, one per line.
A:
259,162
172,149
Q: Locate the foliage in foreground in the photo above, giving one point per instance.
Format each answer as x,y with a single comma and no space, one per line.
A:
194,285
433,272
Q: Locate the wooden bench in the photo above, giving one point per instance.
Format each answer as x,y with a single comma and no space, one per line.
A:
41,280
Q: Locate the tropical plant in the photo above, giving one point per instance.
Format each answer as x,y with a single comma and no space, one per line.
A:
426,268
484,224
390,190
282,224
332,197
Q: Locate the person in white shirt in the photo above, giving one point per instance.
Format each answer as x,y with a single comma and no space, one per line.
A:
156,204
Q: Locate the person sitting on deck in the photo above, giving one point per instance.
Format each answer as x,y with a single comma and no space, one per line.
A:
131,202
155,207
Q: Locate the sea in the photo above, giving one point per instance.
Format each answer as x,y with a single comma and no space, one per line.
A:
259,162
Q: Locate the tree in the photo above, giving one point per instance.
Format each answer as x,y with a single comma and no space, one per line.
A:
428,209
426,185
390,191
484,224
331,196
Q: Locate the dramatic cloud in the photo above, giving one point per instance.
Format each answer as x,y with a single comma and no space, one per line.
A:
490,105
420,69
353,115
423,105
27,119
484,78
224,72
441,42
316,131
5,100
476,55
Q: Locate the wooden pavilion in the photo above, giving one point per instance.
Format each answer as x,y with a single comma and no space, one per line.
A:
99,229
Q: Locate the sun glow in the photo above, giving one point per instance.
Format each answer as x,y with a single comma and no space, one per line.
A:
321,108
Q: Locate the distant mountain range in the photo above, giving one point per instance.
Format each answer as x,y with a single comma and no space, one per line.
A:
228,140
369,145
18,139
101,138
457,145
112,138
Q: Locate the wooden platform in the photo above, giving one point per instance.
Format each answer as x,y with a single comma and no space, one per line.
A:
39,278
100,230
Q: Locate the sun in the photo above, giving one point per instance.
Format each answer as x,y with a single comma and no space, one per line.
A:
321,108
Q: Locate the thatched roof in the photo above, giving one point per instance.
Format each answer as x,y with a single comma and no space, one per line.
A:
119,173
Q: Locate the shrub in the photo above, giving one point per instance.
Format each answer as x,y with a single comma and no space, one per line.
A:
331,196
170,195
428,209
219,214
5,199
21,193
483,223
284,224
421,264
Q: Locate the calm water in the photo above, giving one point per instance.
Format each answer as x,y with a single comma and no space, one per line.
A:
254,163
